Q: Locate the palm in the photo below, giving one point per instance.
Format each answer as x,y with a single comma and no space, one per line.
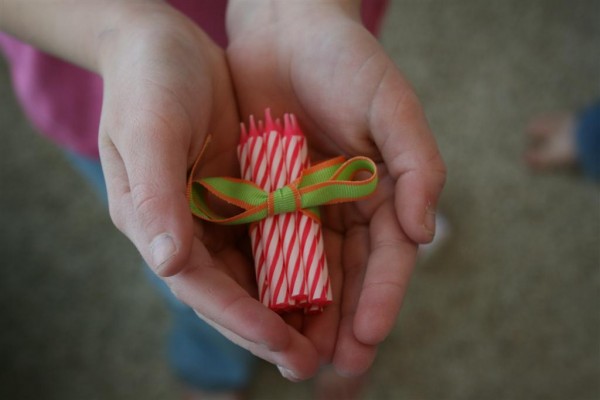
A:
331,77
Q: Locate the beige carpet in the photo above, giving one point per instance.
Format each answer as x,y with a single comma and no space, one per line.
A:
507,309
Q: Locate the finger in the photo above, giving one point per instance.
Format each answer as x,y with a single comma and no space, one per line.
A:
205,287
225,305
401,133
146,180
545,125
353,357
537,157
389,268
297,362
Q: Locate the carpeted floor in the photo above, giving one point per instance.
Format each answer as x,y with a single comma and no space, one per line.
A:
507,309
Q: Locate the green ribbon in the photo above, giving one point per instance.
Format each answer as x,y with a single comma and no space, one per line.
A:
330,182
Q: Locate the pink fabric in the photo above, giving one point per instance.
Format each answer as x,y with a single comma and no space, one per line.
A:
64,101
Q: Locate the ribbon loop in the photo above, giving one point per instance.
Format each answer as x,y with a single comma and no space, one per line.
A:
330,182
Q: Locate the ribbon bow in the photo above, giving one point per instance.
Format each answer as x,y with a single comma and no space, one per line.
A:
330,182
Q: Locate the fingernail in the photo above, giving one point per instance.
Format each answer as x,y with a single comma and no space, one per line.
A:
163,249
287,374
429,223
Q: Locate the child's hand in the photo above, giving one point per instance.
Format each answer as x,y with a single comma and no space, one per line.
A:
166,88
317,61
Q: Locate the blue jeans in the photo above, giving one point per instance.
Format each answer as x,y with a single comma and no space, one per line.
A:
200,356
588,140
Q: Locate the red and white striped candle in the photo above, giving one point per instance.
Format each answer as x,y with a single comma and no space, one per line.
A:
314,254
250,151
273,225
292,244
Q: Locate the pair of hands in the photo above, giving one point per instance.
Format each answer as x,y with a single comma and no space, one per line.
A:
167,87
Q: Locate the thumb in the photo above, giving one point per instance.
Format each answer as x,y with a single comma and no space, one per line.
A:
145,169
410,153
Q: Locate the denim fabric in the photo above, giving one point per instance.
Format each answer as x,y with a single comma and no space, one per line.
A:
588,141
198,354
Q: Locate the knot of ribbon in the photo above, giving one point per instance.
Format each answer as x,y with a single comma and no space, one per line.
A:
330,182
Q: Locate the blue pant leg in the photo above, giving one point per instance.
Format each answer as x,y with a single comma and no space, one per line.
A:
199,355
588,141
90,169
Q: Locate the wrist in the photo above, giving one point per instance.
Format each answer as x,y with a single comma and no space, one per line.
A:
128,29
146,30
68,30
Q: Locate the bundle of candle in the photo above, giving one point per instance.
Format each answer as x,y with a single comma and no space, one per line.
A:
291,267
279,194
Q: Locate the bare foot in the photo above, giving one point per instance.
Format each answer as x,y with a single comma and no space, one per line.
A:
552,142
331,386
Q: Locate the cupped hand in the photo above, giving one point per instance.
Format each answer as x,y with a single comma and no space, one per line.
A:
166,88
317,61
